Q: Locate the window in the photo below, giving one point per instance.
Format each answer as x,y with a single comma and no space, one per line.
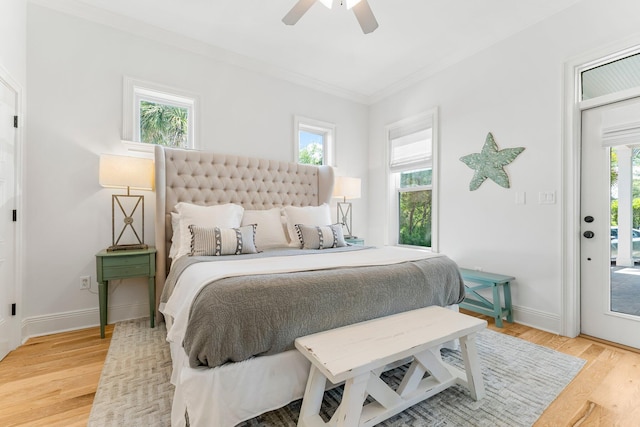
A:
411,176
314,142
620,73
414,208
157,115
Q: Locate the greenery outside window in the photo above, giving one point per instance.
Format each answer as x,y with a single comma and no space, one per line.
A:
414,208
635,193
314,141
412,196
157,115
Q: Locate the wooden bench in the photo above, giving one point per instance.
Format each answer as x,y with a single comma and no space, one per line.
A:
358,354
476,280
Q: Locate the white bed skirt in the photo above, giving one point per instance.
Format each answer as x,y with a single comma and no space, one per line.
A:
229,394
235,392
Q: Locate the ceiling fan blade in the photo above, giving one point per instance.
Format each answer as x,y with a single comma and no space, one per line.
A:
365,17
297,11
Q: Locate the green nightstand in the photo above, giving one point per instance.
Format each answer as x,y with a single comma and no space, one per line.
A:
123,265
354,240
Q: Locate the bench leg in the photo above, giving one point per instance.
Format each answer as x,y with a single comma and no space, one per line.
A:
313,394
351,406
507,302
472,366
497,306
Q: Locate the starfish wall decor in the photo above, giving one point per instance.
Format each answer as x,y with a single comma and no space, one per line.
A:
490,163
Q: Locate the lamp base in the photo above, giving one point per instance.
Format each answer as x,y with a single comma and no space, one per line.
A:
137,246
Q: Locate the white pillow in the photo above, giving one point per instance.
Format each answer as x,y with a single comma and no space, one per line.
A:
269,231
228,215
175,238
308,215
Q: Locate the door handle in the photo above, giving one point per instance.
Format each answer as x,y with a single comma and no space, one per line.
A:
588,234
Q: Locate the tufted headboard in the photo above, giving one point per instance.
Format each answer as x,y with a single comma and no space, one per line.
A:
205,178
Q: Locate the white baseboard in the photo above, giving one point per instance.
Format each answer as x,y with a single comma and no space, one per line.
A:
4,348
542,320
79,319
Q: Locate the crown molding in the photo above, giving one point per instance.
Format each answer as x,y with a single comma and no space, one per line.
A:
427,72
135,27
419,76
152,32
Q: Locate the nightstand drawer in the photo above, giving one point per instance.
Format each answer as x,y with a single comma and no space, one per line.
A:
122,271
121,261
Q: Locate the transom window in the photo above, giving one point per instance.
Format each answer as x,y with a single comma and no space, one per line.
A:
158,115
615,74
411,176
314,141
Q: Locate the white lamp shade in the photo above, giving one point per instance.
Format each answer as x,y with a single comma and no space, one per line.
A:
346,187
351,3
125,171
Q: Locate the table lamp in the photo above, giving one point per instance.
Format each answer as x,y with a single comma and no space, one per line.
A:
126,172
346,188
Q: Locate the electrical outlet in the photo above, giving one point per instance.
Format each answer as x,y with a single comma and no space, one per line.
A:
85,282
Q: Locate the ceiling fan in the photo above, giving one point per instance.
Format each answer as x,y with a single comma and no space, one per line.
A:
361,9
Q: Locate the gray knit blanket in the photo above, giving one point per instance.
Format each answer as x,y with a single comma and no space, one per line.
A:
236,318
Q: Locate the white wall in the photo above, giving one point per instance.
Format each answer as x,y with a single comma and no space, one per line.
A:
515,91
75,78
13,38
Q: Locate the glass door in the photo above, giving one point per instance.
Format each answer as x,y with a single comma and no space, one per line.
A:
610,223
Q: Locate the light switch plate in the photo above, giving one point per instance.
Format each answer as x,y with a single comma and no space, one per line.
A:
547,197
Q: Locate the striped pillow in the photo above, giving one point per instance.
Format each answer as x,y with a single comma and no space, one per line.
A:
314,237
218,241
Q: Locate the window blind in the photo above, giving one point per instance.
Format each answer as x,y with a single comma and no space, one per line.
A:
621,126
410,146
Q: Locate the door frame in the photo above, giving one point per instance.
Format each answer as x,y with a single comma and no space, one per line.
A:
571,170
15,327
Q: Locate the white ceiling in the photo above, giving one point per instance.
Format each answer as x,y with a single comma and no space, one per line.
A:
415,37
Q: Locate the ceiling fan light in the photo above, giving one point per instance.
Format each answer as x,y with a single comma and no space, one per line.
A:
327,3
351,3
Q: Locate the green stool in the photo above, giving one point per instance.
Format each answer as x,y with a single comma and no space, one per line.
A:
476,280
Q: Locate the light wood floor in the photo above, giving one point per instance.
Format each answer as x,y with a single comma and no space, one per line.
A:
51,381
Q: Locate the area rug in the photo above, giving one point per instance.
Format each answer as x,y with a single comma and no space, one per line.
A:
134,387
521,380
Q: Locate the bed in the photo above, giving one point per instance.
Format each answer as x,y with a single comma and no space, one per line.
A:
287,272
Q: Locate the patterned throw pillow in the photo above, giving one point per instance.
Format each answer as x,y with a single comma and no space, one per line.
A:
308,215
227,215
218,241
320,237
